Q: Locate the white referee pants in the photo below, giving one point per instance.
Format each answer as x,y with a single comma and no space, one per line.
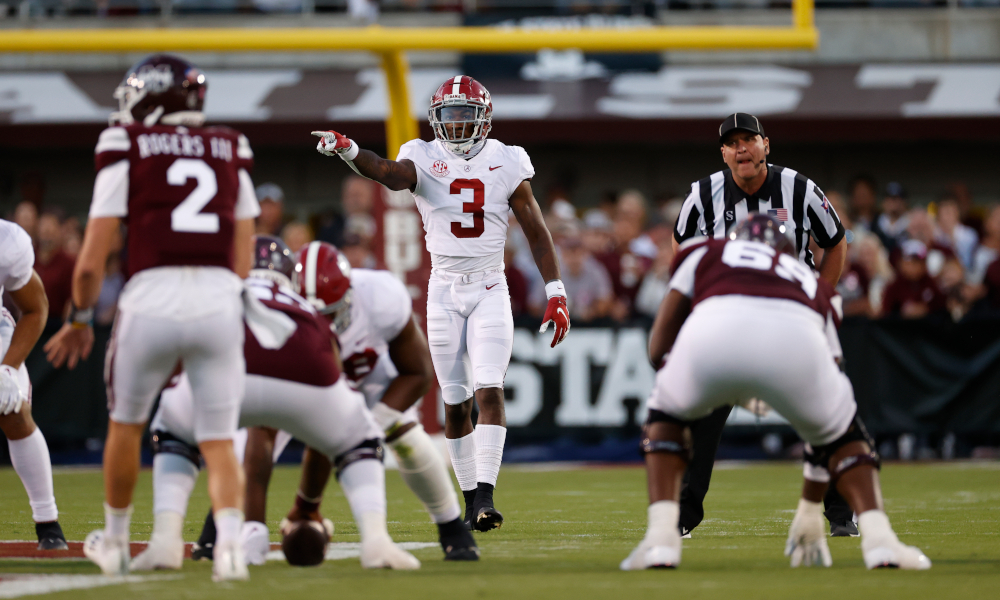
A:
331,420
470,330
732,348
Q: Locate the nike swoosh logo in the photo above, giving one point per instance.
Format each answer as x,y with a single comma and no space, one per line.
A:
490,287
494,168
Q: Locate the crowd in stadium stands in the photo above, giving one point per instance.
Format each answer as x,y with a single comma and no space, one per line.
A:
904,261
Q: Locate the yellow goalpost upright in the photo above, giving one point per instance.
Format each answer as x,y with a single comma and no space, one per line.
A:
392,44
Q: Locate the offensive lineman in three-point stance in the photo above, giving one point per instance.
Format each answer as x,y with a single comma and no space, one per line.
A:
464,185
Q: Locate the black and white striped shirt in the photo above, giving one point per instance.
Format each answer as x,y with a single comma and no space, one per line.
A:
716,203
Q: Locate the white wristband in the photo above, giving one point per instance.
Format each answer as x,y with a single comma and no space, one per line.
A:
555,288
351,153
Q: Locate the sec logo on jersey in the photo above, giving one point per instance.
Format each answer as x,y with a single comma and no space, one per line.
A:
439,168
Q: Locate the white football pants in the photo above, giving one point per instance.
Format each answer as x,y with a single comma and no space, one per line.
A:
782,357
470,330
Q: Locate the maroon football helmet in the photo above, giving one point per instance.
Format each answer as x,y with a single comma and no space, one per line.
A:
273,260
461,114
323,277
758,227
161,88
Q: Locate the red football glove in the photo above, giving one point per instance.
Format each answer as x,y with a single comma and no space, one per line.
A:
334,144
557,313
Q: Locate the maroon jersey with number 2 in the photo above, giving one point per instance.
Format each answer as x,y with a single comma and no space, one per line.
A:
180,191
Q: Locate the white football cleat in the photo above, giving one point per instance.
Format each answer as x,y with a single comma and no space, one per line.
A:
160,553
256,542
648,556
381,553
112,556
229,563
894,555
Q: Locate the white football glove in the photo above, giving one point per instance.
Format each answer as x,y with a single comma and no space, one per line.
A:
807,537
11,396
332,143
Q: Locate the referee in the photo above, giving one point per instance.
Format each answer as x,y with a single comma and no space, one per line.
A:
715,203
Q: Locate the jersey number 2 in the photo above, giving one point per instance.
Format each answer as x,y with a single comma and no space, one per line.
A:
187,217
475,208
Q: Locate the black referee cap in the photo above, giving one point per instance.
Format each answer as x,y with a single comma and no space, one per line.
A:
744,121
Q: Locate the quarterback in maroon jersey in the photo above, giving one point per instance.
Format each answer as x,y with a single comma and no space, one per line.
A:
185,195
752,286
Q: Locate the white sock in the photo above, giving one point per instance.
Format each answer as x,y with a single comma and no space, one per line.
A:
463,460
228,524
424,472
173,481
117,522
875,529
30,457
363,483
489,452
663,517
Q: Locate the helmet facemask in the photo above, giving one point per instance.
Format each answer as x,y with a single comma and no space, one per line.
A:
460,124
339,313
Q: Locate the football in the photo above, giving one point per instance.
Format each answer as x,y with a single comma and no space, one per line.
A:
304,543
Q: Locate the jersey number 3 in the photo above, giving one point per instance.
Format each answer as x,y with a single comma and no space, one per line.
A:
475,208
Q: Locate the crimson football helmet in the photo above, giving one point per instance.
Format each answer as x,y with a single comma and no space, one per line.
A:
461,114
758,227
323,277
272,260
161,89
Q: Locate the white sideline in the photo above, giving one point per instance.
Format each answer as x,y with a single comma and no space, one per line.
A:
16,586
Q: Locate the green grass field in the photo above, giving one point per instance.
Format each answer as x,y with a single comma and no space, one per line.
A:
567,530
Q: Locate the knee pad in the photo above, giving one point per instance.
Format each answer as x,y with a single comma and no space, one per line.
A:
682,448
488,377
455,394
368,449
819,456
166,443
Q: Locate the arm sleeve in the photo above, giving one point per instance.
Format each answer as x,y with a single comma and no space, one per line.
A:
111,191
690,221
824,224
18,258
408,151
683,278
247,206
525,170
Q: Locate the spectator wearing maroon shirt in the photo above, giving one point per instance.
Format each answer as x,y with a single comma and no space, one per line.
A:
53,265
914,294
632,254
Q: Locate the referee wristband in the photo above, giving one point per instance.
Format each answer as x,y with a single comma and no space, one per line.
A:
80,318
555,288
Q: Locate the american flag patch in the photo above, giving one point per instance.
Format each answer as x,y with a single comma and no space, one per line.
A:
780,214
826,204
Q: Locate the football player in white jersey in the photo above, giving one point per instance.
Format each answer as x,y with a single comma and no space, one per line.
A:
28,451
464,186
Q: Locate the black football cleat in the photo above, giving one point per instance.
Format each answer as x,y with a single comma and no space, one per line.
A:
50,536
204,548
470,503
457,542
486,516
846,529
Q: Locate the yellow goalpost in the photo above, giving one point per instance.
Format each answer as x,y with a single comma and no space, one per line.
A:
392,44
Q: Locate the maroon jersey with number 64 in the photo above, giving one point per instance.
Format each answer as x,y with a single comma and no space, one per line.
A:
720,267
307,357
178,189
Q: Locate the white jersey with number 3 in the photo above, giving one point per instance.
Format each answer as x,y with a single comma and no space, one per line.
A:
464,203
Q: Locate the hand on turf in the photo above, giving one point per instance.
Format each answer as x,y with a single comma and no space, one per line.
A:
332,143
11,396
69,345
807,537
556,313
